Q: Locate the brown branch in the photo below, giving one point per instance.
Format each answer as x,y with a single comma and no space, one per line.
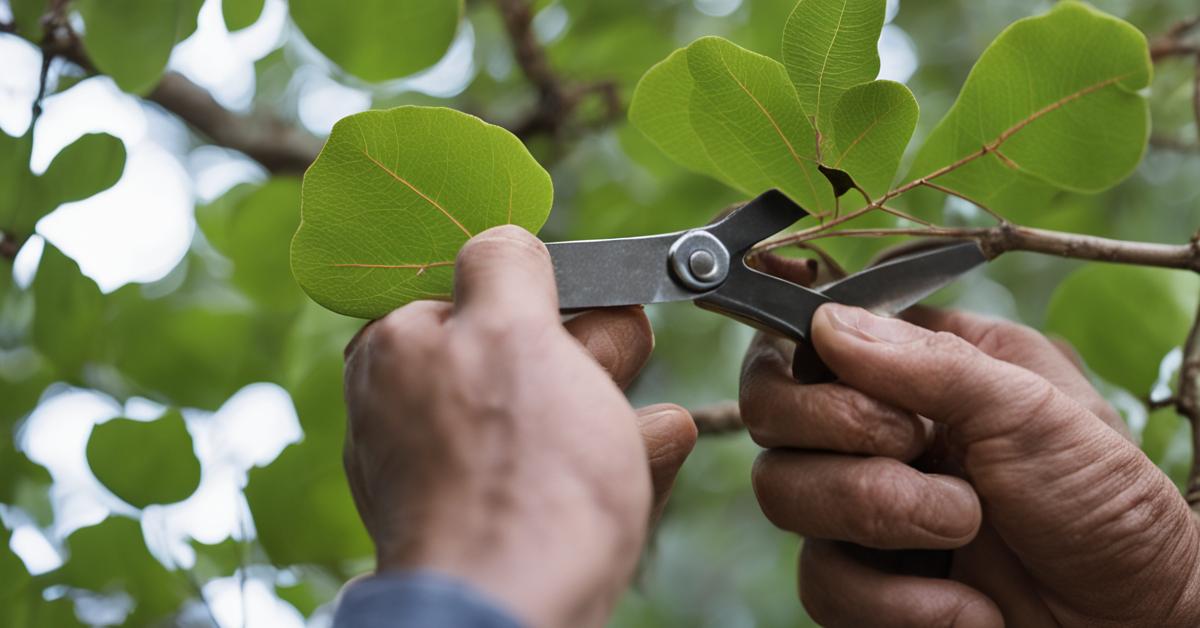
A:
1007,237
558,99
10,245
280,147
719,418
1172,44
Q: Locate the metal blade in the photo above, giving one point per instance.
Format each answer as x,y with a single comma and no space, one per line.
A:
610,273
893,287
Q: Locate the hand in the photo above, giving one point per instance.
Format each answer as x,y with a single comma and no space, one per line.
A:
963,473
487,443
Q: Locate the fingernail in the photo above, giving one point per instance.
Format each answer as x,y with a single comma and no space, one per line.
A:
653,414
867,326
962,511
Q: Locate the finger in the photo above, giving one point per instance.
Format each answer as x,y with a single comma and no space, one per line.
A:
620,339
875,502
506,272
1025,347
780,413
669,435
839,589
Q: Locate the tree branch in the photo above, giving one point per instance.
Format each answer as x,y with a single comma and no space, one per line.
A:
719,418
280,147
1173,42
1007,236
10,245
558,99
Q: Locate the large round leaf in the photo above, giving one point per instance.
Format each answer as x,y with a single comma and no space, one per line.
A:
145,463
1058,95
378,40
395,194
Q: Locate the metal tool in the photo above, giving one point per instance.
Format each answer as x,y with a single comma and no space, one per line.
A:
708,266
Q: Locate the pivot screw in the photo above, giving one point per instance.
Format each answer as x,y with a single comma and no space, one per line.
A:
703,265
699,261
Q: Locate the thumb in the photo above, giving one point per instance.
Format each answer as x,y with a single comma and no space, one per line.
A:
943,378
505,272
669,435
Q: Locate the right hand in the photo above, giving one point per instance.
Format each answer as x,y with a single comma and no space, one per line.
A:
963,472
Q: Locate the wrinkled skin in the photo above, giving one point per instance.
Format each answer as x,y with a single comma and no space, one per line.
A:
963,472
490,442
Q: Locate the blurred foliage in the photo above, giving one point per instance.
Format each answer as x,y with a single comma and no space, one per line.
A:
165,472
230,314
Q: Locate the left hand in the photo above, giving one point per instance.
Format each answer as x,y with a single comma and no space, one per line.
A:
490,442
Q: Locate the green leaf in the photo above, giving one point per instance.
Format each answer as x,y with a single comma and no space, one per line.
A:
255,232
1057,95
21,601
743,111
393,196
165,469
377,40
241,13
872,125
131,40
27,17
67,312
1103,311
195,346
89,165
112,556
830,46
307,484
661,110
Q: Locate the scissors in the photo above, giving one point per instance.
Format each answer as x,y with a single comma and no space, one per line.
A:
708,267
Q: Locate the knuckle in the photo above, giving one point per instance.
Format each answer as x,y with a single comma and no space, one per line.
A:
1039,397
876,489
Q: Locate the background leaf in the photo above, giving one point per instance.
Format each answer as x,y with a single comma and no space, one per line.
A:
1104,312
111,556
830,46
69,307
87,166
377,40
131,40
145,463
872,126
1072,73
239,14
395,194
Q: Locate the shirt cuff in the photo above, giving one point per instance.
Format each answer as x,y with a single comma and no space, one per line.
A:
418,599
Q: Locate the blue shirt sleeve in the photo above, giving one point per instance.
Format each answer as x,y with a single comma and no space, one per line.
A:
417,600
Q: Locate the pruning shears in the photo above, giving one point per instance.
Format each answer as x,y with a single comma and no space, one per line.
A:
708,266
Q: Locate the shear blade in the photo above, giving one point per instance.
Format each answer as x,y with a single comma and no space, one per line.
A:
897,285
